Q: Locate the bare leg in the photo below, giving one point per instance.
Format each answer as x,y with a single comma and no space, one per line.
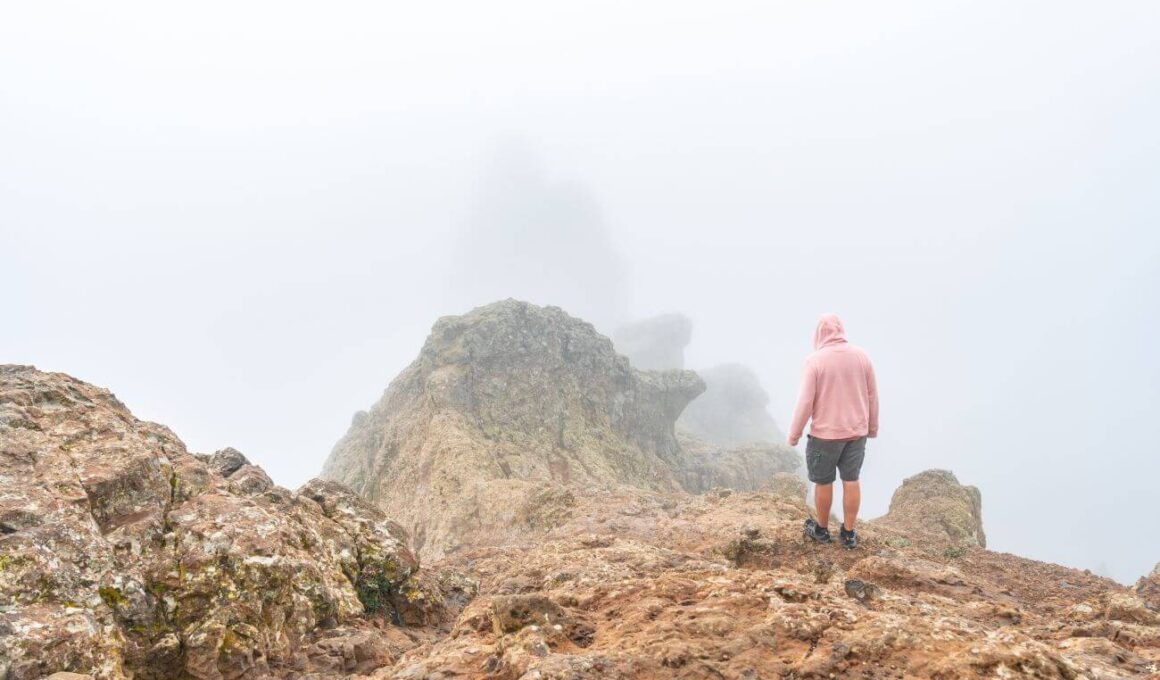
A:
851,500
823,498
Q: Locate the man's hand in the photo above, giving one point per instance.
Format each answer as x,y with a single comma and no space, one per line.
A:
872,434
793,441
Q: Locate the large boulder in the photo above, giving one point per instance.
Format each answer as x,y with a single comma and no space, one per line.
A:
733,410
934,507
505,405
657,343
121,554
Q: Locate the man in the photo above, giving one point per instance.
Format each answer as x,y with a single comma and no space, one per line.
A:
839,394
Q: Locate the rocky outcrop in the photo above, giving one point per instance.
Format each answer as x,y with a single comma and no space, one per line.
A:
742,468
657,343
728,438
932,507
123,555
732,411
507,406
1148,588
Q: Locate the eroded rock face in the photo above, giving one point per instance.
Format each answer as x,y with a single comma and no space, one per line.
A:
932,506
504,404
123,554
657,343
733,410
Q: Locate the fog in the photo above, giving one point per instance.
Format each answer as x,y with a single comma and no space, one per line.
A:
244,218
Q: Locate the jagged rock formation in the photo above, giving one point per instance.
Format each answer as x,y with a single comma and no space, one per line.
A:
657,343
506,406
121,554
727,435
742,468
934,507
510,406
732,411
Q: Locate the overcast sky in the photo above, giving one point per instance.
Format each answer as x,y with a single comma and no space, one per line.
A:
243,218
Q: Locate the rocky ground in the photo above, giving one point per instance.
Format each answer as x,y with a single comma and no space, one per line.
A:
541,479
122,555
640,585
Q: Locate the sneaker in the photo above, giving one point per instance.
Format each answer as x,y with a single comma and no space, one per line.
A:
817,533
849,538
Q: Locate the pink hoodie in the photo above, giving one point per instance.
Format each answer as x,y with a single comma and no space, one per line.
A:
838,389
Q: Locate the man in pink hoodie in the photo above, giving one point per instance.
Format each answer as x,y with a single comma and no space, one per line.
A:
839,394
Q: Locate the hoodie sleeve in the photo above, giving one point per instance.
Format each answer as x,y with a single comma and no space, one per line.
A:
805,403
872,398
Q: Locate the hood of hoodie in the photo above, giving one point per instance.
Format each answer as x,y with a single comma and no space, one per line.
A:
829,331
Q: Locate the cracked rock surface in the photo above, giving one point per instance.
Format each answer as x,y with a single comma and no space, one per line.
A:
121,554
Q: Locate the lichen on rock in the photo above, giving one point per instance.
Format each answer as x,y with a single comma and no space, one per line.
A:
934,507
124,555
502,400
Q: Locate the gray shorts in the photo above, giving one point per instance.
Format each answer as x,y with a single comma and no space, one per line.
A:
824,456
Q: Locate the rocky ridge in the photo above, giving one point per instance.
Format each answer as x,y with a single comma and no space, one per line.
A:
509,406
123,555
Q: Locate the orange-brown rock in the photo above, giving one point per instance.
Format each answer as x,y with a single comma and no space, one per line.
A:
123,555
636,584
1148,588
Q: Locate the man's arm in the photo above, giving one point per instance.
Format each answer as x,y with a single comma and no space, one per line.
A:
805,404
872,398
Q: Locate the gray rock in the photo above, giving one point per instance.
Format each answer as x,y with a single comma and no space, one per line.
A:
519,394
227,461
